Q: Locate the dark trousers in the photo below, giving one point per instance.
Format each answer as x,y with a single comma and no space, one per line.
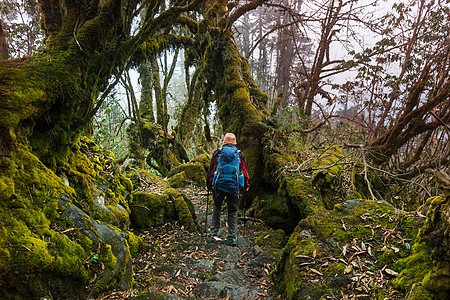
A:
232,205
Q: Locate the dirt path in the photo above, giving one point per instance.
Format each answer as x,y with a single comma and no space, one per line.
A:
177,264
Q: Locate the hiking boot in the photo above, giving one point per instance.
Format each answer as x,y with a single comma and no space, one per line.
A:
232,242
213,232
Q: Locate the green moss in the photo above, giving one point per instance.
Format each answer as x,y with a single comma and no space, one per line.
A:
324,233
413,268
194,172
418,292
177,180
183,213
428,264
438,280
148,209
134,242
330,160
107,257
271,239
328,167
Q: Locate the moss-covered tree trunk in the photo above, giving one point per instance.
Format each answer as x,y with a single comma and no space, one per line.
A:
53,199
242,106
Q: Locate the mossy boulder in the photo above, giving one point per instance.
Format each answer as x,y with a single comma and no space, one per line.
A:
275,162
195,172
426,272
178,180
204,159
156,203
354,230
148,209
327,169
287,197
271,239
273,209
47,239
103,191
294,200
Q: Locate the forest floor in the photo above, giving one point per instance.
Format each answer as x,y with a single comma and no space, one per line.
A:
178,264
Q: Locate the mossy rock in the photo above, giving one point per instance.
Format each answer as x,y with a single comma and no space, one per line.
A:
429,264
152,209
276,162
329,161
178,180
142,179
359,224
45,235
204,159
103,194
183,209
328,168
295,199
273,209
271,239
194,172
148,209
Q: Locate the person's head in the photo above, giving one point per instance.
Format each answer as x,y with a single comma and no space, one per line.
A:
229,138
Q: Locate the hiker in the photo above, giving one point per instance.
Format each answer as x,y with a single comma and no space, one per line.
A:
227,174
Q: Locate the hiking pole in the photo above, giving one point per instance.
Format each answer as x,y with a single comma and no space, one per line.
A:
245,203
206,213
244,206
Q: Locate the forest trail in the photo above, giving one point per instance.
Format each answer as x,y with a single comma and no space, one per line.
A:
178,264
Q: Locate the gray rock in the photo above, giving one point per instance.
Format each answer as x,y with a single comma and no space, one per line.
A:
349,205
101,234
265,258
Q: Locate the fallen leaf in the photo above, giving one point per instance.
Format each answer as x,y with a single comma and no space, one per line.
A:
315,271
178,273
171,288
351,257
420,214
325,264
343,225
314,253
27,248
348,269
302,256
391,272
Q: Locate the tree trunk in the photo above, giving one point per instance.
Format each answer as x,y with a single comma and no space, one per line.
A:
4,54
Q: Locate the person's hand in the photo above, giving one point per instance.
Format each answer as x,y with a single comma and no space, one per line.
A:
247,188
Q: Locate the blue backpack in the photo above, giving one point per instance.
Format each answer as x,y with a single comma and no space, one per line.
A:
227,177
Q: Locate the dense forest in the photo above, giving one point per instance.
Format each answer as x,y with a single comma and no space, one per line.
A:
110,111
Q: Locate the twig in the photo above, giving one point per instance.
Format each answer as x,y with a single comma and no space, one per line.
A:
250,219
74,35
365,174
140,206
